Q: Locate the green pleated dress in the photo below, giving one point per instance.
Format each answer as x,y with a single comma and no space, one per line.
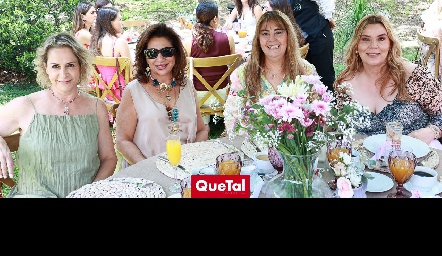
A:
57,155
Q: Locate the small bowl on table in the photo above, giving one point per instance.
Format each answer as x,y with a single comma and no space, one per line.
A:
262,162
424,178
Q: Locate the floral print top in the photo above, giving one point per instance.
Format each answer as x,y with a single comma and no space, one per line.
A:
237,79
424,109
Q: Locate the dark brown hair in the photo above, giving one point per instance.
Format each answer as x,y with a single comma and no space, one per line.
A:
103,26
205,12
160,30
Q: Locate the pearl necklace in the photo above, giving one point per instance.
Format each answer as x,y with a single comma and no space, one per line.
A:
66,104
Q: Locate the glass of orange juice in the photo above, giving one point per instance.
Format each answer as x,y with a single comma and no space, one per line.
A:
401,163
173,150
228,164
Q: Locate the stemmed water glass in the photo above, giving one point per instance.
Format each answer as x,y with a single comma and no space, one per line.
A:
173,150
401,163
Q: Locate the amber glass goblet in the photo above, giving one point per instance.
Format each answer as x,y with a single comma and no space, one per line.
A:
401,163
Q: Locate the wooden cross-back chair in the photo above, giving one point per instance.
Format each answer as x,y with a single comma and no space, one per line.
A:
232,61
184,23
304,50
13,142
434,48
137,25
125,67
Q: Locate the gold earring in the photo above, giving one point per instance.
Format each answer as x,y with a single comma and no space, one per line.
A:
148,70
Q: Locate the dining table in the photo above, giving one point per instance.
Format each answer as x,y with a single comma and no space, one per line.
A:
147,169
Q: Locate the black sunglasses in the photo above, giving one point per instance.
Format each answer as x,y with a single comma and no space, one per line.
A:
152,53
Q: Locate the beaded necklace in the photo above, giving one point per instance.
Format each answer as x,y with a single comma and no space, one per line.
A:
172,113
66,104
163,86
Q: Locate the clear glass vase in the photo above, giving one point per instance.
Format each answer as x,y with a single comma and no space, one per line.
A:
296,180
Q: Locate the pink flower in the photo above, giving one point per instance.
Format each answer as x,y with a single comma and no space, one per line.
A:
320,107
311,79
319,88
326,97
234,79
344,188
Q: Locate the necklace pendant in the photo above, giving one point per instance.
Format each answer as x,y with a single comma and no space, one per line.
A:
174,128
164,86
168,97
66,110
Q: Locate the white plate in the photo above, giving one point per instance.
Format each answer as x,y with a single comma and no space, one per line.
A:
419,147
434,191
379,183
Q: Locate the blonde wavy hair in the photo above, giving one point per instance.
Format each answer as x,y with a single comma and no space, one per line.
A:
256,62
394,68
84,56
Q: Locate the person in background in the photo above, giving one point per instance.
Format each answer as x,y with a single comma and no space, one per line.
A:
247,12
84,19
160,100
65,137
275,60
284,6
103,3
317,28
393,88
432,27
207,42
105,42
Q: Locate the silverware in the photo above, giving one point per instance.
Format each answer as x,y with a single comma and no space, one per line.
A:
254,144
167,161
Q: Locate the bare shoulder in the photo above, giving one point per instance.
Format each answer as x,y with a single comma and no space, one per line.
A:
121,41
409,67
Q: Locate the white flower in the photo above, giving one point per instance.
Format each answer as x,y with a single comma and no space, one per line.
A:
293,89
346,158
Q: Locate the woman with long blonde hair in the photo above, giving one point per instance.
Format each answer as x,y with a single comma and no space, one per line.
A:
393,88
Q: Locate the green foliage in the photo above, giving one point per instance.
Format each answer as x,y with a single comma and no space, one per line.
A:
23,27
11,91
159,10
343,33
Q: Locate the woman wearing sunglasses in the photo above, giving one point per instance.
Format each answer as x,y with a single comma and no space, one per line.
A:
160,100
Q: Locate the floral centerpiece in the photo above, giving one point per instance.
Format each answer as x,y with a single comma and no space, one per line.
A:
296,121
351,175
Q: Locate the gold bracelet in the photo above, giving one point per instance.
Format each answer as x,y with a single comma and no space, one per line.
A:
435,130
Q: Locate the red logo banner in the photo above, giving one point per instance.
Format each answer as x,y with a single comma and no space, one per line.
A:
220,186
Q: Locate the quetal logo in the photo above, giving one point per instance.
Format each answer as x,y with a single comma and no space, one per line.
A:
220,186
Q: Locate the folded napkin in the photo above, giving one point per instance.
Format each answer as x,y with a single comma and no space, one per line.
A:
382,151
